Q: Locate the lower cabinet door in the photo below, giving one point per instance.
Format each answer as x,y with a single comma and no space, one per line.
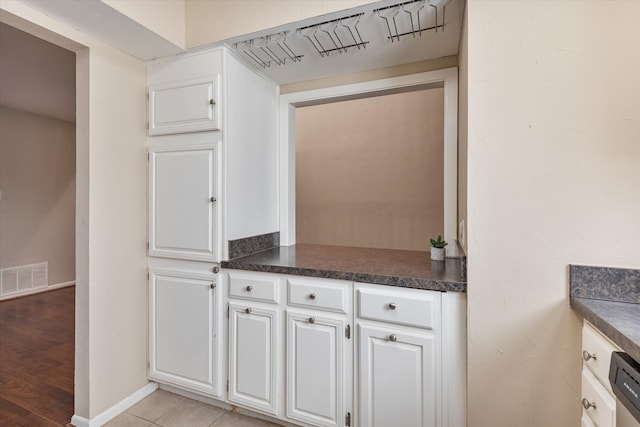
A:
316,374
253,357
397,377
182,335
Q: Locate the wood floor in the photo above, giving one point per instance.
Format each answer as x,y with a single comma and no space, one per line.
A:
36,359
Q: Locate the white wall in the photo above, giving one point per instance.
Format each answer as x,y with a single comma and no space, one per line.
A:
110,213
463,120
553,179
37,179
209,21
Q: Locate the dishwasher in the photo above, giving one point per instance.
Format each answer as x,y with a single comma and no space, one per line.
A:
624,376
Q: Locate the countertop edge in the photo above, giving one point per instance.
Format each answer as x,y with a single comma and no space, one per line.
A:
401,282
625,343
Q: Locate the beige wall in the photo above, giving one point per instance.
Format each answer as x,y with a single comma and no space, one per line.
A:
369,172
37,179
367,76
554,178
210,21
165,17
111,326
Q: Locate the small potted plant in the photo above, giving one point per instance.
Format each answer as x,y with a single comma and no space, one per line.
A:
437,248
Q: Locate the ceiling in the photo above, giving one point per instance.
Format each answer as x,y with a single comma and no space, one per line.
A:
355,40
39,77
36,76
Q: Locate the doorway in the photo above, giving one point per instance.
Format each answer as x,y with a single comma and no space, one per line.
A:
37,227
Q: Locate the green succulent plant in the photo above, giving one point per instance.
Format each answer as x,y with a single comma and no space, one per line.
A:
438,243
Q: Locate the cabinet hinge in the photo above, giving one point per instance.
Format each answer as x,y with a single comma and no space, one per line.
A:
347,332
148,365
147,275
347,421
227,385
148,246
227,311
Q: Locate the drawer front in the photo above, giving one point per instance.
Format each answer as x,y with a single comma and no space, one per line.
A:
603,411
402,306
324,294
255,287
596,354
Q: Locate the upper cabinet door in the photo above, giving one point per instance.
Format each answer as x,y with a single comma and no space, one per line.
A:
182,203
185,106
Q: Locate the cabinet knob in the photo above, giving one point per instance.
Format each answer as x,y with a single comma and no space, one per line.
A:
312,320
213,199
393,338
586,404
247,310
216,270
249,288
392,306
588,356
312,296
213,286
212,101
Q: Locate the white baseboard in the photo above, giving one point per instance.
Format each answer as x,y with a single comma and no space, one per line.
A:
37,290
115,410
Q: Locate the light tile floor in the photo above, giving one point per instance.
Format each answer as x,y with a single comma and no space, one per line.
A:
166,409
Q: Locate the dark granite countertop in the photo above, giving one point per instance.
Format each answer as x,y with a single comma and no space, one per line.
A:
609,298
409,269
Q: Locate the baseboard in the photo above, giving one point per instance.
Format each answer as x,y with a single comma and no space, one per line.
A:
37,290
115,410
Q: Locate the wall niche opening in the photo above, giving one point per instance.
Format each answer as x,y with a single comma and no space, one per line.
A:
370,171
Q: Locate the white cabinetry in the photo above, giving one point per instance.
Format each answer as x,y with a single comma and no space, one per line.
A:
399,356
184,334
253,357
319,351
184,106
254,337
183,202
598,401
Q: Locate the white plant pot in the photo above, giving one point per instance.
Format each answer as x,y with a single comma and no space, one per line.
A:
437,254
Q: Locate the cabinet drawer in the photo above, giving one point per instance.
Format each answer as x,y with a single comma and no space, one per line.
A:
255,287
596,354
322,294
585,421
403,306
603,414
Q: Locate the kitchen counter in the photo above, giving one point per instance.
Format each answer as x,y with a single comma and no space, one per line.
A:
409,269
609,298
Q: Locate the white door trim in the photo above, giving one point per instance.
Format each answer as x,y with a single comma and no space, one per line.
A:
447,78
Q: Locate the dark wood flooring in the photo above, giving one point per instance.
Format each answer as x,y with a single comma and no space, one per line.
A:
37,335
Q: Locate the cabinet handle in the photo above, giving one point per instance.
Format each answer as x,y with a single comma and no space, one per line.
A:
312,296
586,404
393,338
392,306
212,101
588,356
247,310
249,288
312,320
